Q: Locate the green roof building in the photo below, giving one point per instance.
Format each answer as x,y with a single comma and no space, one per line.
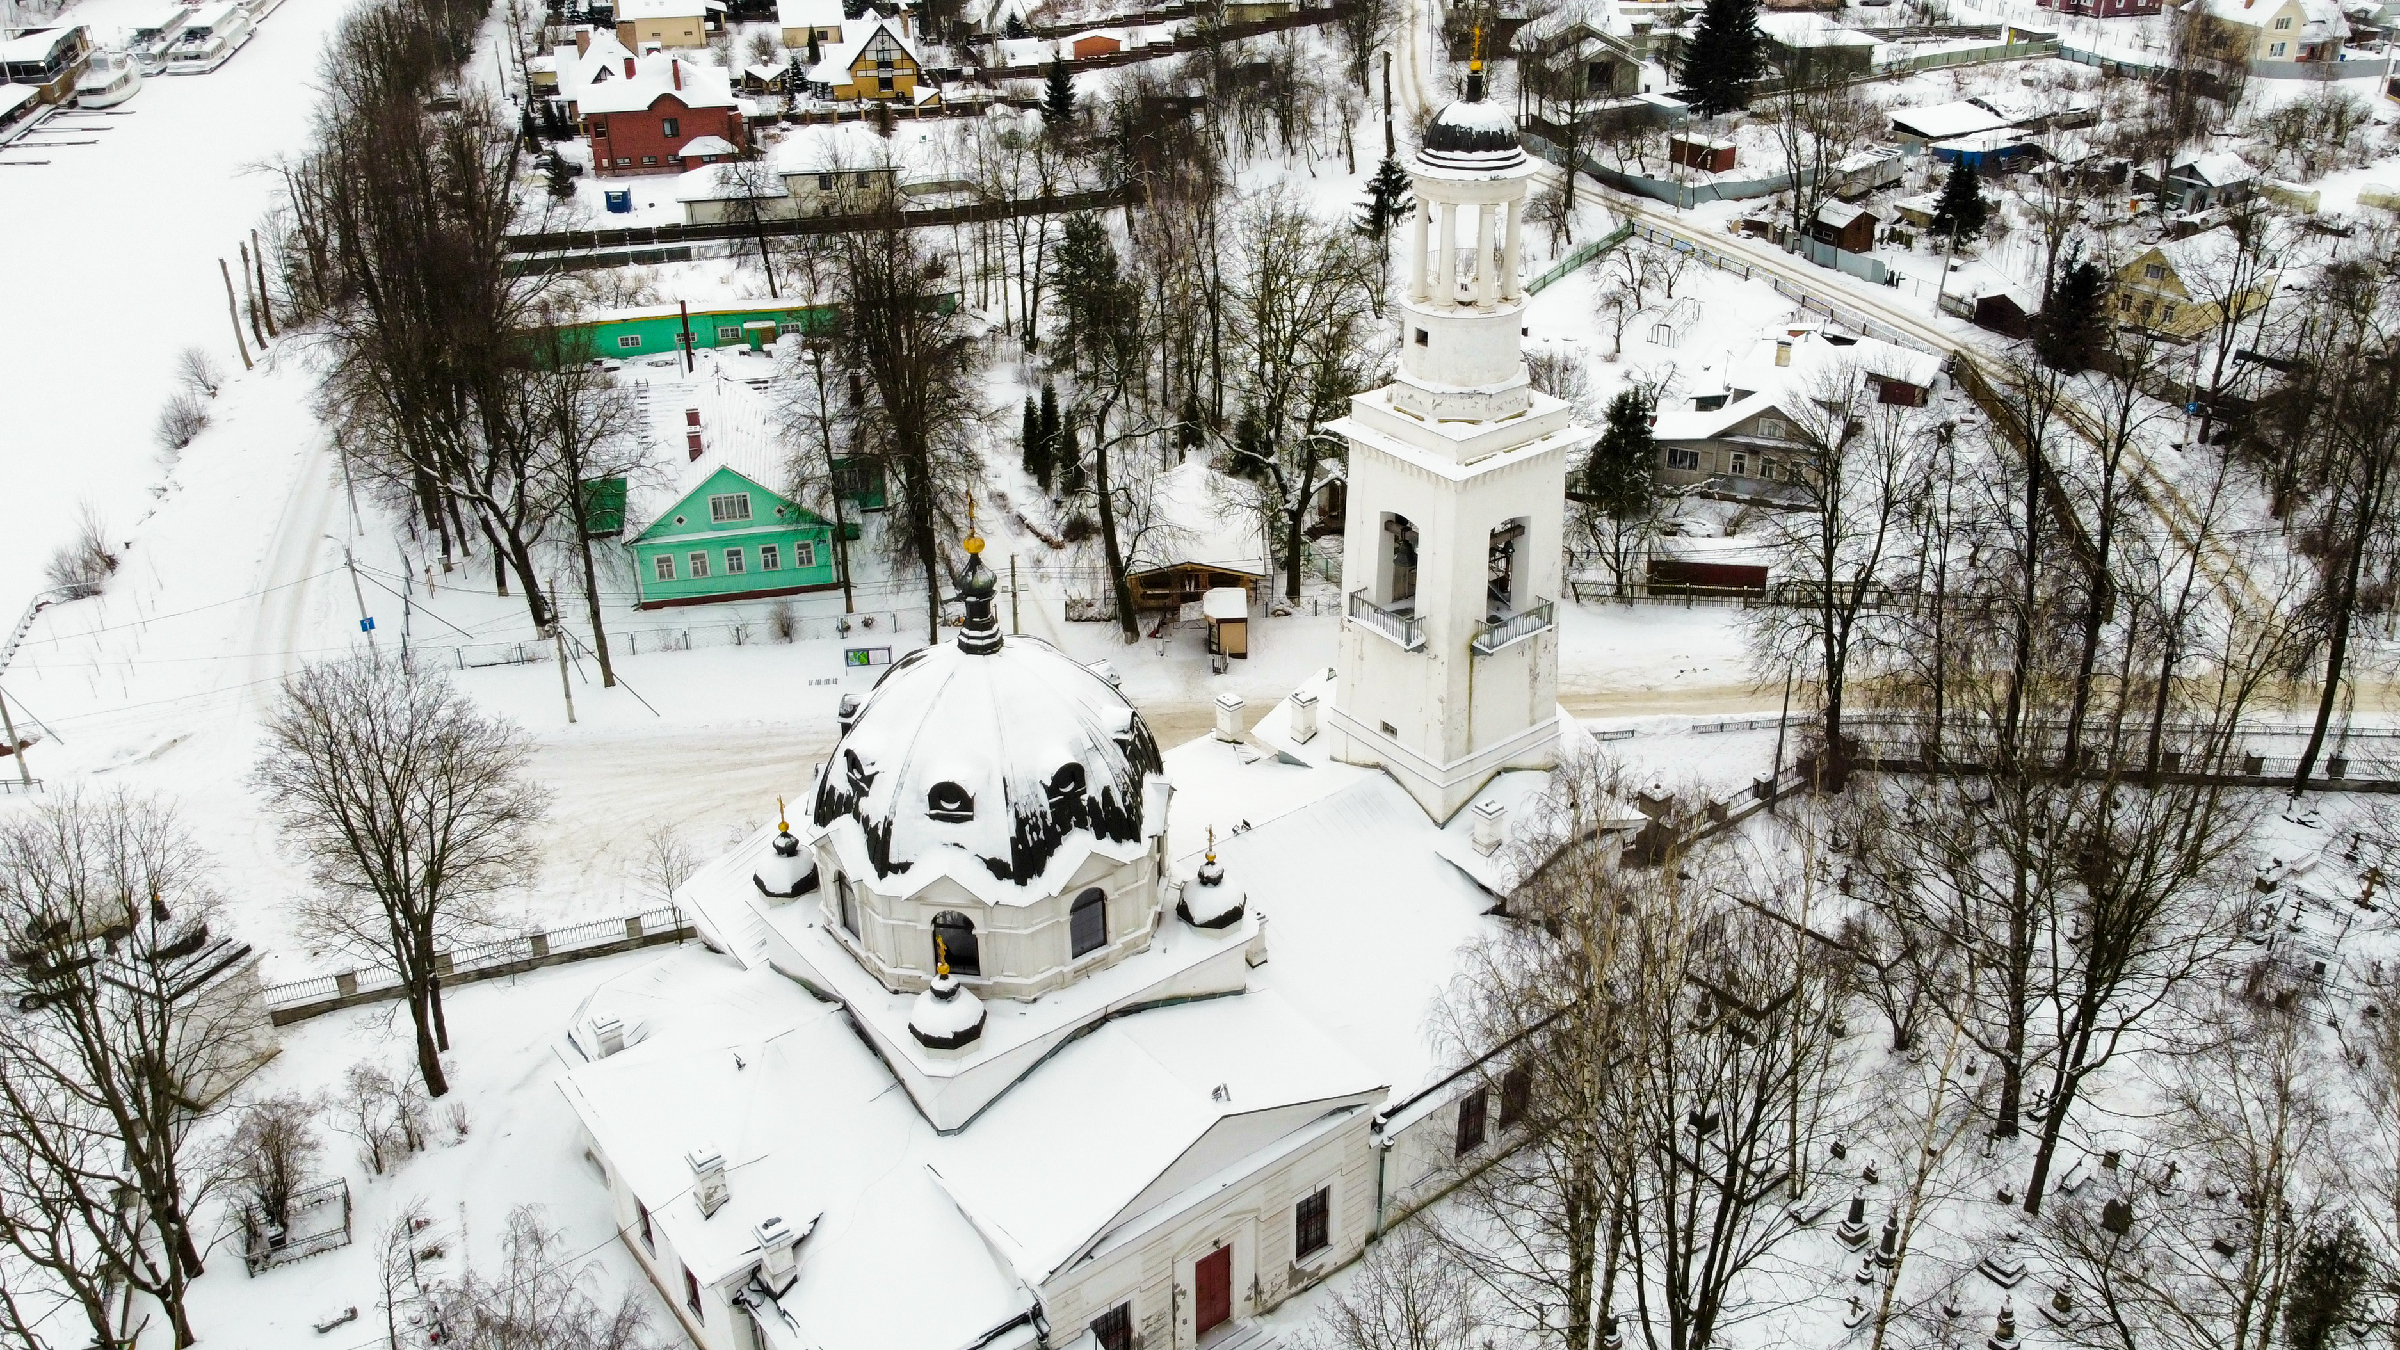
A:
731,539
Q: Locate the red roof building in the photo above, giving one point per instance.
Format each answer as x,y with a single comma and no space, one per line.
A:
642,119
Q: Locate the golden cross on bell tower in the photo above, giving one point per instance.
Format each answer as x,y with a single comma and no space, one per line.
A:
1475,57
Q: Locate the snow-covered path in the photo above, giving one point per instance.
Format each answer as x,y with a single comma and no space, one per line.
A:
113,248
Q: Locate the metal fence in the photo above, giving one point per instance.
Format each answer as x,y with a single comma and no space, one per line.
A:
481,960
1580,258
879,625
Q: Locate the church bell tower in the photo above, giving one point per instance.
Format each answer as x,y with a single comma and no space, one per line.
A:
1447,669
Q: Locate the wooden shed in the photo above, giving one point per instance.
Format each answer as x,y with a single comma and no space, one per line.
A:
1227,610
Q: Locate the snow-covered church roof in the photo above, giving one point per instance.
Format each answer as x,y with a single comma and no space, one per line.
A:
989,760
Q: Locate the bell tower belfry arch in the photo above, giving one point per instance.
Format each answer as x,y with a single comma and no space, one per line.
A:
1446,670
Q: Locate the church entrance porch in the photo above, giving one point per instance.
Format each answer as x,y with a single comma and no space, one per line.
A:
1212,1291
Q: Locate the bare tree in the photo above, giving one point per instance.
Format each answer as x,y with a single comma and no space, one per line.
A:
1408,1295
412,810
121,1032
539,1299
272,1150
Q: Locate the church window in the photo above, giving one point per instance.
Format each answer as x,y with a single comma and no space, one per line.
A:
1399,569
691,1295
1421,341
1470,1122
848,907
1502,582
641,1216
1312,1224
955,933
1066,787
1516,1095
1087,922
950,803
1114,1329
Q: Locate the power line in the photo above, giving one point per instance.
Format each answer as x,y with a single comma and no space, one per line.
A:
219,604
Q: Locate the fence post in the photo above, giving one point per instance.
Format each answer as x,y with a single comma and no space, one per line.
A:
540,944
633,929
345,985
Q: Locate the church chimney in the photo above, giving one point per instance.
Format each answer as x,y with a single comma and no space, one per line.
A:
1491,820
708,1180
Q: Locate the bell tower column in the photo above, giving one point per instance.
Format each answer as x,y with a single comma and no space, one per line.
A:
1446,670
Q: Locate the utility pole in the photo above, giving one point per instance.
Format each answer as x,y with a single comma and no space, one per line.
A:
1942,286
8,724
558,642
686,311
1014,628
366,623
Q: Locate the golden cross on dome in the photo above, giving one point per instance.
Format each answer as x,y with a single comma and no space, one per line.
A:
974,541
782,817
941,959
1475,60
1212,843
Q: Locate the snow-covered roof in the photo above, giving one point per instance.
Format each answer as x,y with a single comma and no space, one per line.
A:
1866,159
839,57
602,59
1944,120
655,76
1838,213
1756,383
1054,764
629,10
1984,142
1810,30
1200,523
714,145
724,182
2216,168
2320,20
809,13
921,152
1700,424
39,44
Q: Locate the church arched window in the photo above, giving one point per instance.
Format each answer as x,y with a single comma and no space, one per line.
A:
849,907
1087,922
955,933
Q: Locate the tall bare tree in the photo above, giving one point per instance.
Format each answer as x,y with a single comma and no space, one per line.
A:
411,808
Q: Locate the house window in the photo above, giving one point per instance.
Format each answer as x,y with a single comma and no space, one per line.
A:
955,934
1470,1122
883,85
649,159
2283,24
2277,49
728,506
629,341
824,182
729,334
2154,271
1312,1224
664,564
1738,464
770,558
1087,922
623,162
667,128
1516,1095
1114,1329
599,128
735,563
1772,428
1768,468
1687,460
641,1216
866,178
699,565
804,554
691,1295
2166,312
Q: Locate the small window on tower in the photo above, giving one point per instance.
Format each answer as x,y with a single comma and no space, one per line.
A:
1421,338
950,803
1087,922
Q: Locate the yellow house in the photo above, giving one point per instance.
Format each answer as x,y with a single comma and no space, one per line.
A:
644,24
879,65
801,20
2178,289
2272,31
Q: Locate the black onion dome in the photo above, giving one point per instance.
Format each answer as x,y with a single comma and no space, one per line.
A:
987,758
1471,135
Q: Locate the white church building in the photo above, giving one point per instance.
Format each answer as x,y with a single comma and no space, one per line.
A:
1024,1032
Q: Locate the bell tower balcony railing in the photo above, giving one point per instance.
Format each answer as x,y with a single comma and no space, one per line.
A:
1404,629
1494,634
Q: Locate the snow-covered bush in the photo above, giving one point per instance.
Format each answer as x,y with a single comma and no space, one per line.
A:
388,1116
83,563
184,417
782,622
2325,131
199,373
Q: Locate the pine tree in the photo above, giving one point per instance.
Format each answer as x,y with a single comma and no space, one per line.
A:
1722,58
561,175
1387,199
1036,447
1622,471
1015,27
1962,209
2327,1285
1054,456
2067,333
795,79
1058,103
1070,459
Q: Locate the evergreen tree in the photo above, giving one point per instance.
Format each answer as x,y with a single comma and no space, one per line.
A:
1070,458
1623,468
1015,27
1387,199
1054,456
1962,209
1722,58
561,175
1189,433
2327,1286
1036,446
795,78
2068,331
1058,102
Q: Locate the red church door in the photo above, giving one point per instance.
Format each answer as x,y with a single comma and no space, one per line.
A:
1214,1278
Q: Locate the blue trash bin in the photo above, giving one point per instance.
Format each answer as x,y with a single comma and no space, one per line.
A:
620,201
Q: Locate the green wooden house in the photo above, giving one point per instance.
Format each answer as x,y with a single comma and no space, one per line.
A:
731,539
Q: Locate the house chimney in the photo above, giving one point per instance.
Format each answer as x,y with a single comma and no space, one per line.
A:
1229,717
629,67
1490,819
1304,718
708,1180
608,1035
583,39
675,69
778,1253
1783,352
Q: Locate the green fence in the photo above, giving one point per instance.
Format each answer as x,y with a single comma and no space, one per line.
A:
1580,257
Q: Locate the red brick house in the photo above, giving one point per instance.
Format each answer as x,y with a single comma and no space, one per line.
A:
640,121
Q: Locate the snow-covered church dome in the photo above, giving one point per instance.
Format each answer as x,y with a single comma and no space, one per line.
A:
996,795
1472,135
